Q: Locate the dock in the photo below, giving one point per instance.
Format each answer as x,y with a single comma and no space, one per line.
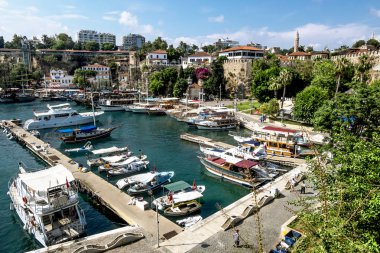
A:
287,161
205,141
107,194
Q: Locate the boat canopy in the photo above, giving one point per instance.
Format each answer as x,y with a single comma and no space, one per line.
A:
65,131
44,179
177,186
63,106
108,150
246,164
87,128
113,159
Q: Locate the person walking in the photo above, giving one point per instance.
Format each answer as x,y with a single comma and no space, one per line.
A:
236,238
292,185
303,187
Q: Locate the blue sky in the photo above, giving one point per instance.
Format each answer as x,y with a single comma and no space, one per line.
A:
273,23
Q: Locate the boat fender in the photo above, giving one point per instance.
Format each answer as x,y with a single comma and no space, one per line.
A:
25,200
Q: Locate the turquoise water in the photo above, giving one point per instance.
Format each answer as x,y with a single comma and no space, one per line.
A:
156,136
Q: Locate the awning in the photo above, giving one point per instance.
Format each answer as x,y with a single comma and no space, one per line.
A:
44,179
177,186
246,164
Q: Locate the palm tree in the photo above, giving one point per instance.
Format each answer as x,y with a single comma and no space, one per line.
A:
285,78
340,66
274,85
366,62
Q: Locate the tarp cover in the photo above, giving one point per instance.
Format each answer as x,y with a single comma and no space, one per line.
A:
177,186
87,128
66,130
108,150
44,179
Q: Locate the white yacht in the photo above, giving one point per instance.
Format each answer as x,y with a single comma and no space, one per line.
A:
61,115
48,204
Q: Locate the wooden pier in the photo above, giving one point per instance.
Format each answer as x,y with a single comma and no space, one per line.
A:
106,193
205,141
287,161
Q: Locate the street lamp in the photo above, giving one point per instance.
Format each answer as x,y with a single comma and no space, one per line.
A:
150,192
189,82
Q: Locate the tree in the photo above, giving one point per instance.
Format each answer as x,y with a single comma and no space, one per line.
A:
373,42
270,108
47,42
15,43
216,81
308,101
91,46
156,85
169,78
340,66
108,47
159,43
78,45
63,41
180,87
366,62
324,75
1,42
262,72
309,49
209,49
172,54
285,78
358,43
202,73
81,77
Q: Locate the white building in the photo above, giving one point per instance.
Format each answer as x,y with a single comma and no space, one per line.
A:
197,59
158,57
242,52
103,72
59,79
224,43
100,38
133,41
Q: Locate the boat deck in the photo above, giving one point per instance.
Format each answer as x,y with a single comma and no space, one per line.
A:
108,194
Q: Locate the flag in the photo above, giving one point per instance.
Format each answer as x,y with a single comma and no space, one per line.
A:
194,185
67,184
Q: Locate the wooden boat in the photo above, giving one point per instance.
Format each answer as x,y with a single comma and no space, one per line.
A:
182,209
86,133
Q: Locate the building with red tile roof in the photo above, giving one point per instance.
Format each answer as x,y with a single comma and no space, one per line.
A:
157,57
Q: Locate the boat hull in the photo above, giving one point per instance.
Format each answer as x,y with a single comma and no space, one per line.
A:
111,108
77,139
224,174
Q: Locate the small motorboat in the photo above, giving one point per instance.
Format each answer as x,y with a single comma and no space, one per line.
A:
189,221
159,179
109,159
131,168
129,181
86,148
35,133
124,163
182,209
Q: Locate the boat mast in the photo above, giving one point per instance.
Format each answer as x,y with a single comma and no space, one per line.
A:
93,110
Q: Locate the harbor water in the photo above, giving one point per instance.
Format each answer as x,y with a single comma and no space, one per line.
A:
158,137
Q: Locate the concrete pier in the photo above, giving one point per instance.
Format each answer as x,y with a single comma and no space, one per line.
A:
107,194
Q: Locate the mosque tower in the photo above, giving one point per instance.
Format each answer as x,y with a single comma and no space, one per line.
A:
296,42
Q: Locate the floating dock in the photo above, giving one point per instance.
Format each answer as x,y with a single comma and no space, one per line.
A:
287,161
107,194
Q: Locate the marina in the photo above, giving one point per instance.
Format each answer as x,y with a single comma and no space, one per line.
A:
187,159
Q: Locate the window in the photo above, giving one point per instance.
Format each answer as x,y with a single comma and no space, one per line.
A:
157,56
151,56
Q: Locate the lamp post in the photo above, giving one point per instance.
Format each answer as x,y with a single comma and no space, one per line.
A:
150,192
189,82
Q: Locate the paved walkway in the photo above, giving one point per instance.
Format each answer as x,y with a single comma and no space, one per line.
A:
209,235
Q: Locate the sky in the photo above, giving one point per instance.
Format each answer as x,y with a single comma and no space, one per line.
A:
321,23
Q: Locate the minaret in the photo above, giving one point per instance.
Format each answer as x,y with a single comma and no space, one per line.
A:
296,42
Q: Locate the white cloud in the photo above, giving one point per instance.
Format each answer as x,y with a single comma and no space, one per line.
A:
3,4
316,35
131,21
67,16
109,18
375,12
217,19
128,19
32,8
